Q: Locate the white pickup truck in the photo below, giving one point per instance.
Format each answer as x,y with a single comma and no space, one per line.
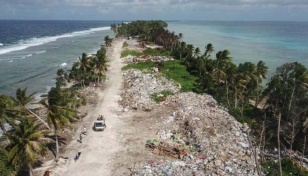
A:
99,125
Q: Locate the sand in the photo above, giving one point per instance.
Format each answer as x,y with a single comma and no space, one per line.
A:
98,149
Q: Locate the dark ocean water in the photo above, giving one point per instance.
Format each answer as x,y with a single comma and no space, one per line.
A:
273,42
13,32
32,51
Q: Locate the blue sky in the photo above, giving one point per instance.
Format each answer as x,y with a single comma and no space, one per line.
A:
225,10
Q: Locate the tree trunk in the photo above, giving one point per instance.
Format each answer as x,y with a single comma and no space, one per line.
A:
257,98
30,172
290,103
261,141
227,90
3,128
38,117
293,134
235,97
303,154
57,144
278,140
255,155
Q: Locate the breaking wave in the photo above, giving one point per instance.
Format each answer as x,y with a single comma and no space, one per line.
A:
23,44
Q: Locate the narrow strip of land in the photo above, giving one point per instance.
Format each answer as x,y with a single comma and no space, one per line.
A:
98,148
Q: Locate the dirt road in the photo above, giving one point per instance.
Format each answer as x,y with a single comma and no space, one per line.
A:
99,148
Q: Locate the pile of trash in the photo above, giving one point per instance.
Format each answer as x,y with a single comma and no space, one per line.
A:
199,138
140,86
143,58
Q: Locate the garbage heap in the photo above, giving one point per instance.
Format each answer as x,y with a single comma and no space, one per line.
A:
143,58
198,138
139,86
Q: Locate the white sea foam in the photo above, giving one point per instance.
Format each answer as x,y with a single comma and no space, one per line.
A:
23,44
40,52
11,61
1,44
63,64
25,56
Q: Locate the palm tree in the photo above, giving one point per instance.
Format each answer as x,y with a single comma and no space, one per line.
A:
6,167
222,60
197,52
22,100
261,72
180,36
188,59
108,41
27,142
208,50
231,73
82,70
114,28
62,78
84,62
57,114
182,48
6,103
101,62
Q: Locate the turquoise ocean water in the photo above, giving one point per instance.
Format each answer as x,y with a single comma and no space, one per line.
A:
273,42
32,51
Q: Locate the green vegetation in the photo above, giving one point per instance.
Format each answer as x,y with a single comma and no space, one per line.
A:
131,53
140,66
155,52
288,167
107,41
172,69
151,52
161,96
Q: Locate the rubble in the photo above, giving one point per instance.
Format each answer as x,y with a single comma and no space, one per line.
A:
139,86
143,58
199,138
203,138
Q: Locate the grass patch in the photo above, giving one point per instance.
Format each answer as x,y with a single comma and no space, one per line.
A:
140,65
151,52
155,52
172,69
161,96
130,52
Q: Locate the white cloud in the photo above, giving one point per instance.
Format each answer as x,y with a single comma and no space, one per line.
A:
144,9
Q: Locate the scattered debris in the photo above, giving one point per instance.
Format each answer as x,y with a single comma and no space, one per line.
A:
139,86
198,138
143,58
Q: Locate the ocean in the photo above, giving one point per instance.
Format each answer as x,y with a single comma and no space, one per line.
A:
275,43
31,52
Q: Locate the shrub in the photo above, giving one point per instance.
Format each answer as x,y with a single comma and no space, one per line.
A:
161,96
154,52
288,168
130,52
